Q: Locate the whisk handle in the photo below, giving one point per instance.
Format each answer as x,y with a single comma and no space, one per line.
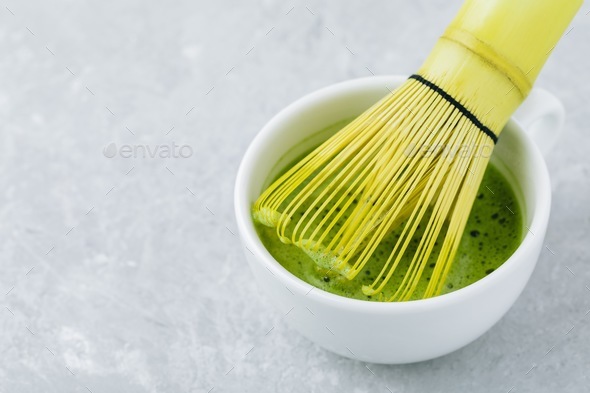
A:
515,36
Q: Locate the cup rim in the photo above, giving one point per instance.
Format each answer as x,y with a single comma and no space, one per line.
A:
253,244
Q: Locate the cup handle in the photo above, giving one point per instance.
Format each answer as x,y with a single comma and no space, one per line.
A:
542,117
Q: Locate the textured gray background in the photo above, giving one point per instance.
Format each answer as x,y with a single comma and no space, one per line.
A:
149,292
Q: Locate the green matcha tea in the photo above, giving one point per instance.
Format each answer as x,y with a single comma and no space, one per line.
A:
493,233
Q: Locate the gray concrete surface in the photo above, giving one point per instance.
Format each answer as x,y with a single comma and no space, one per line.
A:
124,274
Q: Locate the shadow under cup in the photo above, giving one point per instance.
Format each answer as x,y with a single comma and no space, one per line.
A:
386,332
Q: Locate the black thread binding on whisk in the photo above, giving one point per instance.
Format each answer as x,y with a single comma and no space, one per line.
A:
457,105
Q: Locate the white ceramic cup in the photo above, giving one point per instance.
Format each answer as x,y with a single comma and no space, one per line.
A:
411,331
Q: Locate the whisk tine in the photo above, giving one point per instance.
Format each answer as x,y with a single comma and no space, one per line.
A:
430,189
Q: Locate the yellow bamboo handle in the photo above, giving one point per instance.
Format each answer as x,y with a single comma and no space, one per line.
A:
492,52
516,36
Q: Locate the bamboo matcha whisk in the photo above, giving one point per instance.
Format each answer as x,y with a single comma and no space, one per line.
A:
365,181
